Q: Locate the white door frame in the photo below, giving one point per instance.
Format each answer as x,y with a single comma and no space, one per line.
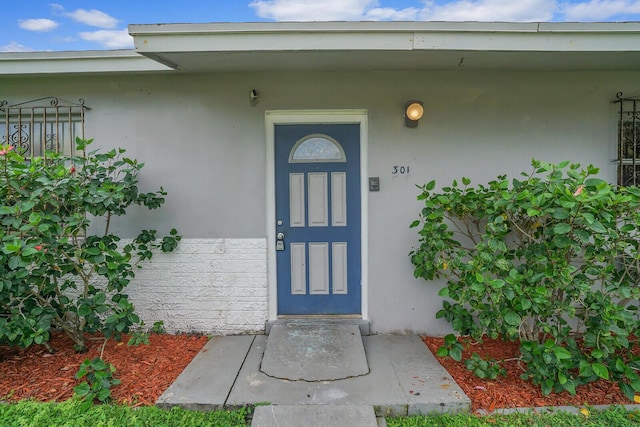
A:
276,117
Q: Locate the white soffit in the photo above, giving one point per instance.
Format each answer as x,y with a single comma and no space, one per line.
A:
390,45
77,62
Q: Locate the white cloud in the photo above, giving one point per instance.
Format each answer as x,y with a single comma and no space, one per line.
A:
56,8
93,18
312,10
598,10
15,47
455,10
389,14
490,10
111,39
38,24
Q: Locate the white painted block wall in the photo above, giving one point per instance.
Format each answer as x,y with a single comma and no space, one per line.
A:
205,286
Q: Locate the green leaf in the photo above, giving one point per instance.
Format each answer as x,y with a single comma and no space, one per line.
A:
14,262
560,214
570,386
442,352
597,227
627,390
82,389
600,370
456,354
29,251
99,298
92,251
561,353
450,340
562,228
562,378
512,318
583,235
588,217
478,288
562,241
585,369
431,185
84,310
627,228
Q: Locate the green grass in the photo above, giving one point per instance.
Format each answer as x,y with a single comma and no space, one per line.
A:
613,417
74,413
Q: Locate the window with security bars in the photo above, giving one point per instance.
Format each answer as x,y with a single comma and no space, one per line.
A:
628,140
41,125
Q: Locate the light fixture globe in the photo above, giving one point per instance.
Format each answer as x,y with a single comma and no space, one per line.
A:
413,112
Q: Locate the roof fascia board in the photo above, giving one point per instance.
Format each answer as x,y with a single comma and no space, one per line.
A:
529,42
381,26
80,62
382,36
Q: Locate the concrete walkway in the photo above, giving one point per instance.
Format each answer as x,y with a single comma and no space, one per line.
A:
404,379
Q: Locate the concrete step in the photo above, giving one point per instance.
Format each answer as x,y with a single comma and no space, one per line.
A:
314,352
314,415
321,320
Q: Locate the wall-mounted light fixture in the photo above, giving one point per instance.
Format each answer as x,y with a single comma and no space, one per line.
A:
413,112
254,97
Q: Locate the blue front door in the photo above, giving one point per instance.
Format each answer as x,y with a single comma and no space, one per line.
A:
318,218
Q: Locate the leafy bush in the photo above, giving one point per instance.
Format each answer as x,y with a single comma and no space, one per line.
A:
550,259
54,273
99,379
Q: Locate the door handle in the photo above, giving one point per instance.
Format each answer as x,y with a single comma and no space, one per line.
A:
280,236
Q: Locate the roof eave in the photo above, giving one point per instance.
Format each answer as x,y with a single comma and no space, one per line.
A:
76,62
179,45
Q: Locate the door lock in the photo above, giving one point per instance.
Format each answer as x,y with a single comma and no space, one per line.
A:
280,242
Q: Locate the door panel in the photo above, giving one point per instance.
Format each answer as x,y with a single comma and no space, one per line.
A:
318,218
318,199
297,198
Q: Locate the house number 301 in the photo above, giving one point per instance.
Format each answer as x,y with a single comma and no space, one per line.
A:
400,170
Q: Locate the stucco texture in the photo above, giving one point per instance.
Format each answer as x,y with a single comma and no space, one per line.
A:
204,142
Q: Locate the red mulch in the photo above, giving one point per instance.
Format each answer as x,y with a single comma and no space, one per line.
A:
146,371
511,391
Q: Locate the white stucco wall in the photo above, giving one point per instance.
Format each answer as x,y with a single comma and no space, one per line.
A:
202,140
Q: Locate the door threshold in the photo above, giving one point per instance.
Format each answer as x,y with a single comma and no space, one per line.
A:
350,319
319,316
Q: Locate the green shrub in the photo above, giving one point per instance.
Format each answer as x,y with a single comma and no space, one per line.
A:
99,379
54,273
550,259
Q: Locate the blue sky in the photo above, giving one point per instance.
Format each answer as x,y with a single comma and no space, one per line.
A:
27,25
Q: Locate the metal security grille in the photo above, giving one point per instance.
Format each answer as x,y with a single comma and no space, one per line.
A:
41,125
628,140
